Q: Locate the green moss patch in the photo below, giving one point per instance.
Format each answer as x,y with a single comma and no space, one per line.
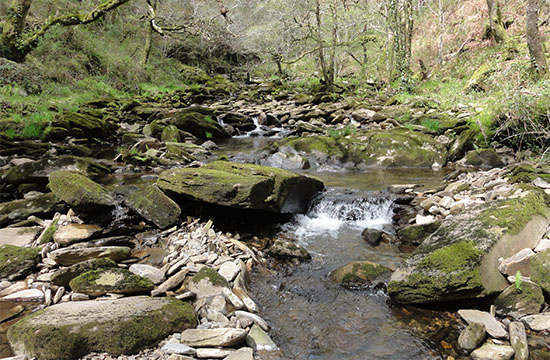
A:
211,275
112,280
455,257
17,261
79,191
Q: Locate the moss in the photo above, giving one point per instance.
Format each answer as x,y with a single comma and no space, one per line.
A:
324,144
540,268
43,205
77,190
458,256
364,272
514,214
153,205
17,261
526,174
211,275
47,236
63,276
112,280
115,337
415,234
516,302
479,78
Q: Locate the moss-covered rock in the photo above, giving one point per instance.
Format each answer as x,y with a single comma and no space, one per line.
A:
360,274
519,300
463,143
42,206
540,268
63,276
484,158
154,206
16,262
79,191
201,126
460,260
526,173
170,133
124,326
478,81
85,125
211,275
416,234
39,171
111,280
154,129
242,186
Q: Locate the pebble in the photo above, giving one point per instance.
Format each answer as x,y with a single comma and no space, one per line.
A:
490,351
180,349
229,271
471,337
211,353
259,340
244,353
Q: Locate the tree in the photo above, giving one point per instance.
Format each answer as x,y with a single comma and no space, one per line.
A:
534,42
495,26
16,41
399,17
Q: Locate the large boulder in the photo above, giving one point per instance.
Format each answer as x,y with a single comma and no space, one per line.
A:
44,205
39,171
63,276
460,260
242,186
84,125
111,280
200,125
72,329
540,268
79,191
397,148
16,262
154,206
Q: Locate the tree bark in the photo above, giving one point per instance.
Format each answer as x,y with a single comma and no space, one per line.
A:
16,44
534,39
321,45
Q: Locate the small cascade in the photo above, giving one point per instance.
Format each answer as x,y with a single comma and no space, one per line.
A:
331,212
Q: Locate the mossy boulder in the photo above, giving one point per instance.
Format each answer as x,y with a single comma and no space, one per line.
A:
16,262
462,144
484,158
478,80
519,300
154,206
154,129
360,274
201,126
85,125
416,234
540,268
63,276
207,282
125,326
242,186
39,171
43,205
170,133
79,191
460,260
111,280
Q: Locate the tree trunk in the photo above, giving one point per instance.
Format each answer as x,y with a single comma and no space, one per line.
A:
149,29
495,26
16,44
400,16
321,44
534,41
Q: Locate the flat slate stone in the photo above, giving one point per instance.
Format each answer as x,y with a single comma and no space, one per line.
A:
259,340
71,256
70,330
492,326
539,322
154,206
224,337
73,233
19,236
490,351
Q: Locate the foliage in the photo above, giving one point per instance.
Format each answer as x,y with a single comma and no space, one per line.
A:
431,124
518,281
343,132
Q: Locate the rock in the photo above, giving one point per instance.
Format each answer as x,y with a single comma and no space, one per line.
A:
416,234
170,134
518,262
232,298
172,282
72,233
254,318
13,288
249,304
180,349
492,326
360,273
201,126
457,187
79,191
72,329
471,337
518,339
372,236
540,268
44,205
484,158
463,143
71,256
154,206
148,272
242,186
401,188
28,295
490,351
207,282
259,340
84,125
539,322
245,353
424,220
223,337
63,276
16,262
447,202
526,300
544,244
19,236
111,280
286,161
285,249
361,115
459,260
229,270
206,353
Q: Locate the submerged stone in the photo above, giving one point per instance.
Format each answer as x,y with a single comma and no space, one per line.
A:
72,329
79,191
16,262
360,273
460,260
111,280
243,186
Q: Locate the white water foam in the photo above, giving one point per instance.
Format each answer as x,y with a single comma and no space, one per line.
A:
330,215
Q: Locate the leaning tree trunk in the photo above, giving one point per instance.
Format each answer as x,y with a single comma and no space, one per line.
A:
534,41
